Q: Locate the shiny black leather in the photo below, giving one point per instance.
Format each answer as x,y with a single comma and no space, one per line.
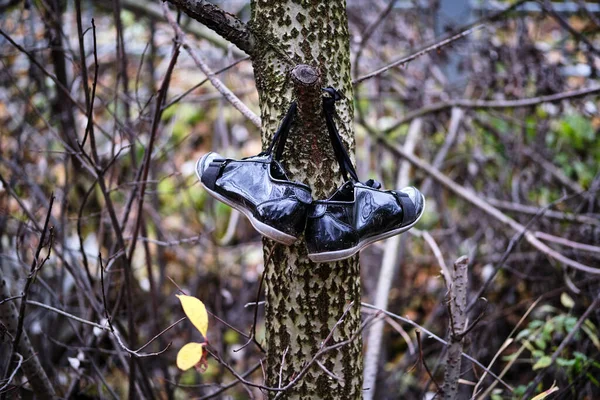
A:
355,212
259,184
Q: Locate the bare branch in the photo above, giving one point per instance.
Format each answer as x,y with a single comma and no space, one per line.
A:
458,308
223,23
66,314
437,338
14,372
532,210
177,98
471,197
418,54
36,265
495,104
224,90
424,363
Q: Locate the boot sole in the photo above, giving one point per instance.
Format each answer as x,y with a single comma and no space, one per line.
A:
261,227
337,255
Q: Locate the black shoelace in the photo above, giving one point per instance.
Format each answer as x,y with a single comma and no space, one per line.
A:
341,154
280,137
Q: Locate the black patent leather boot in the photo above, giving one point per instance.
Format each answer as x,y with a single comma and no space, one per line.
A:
259,188
357,214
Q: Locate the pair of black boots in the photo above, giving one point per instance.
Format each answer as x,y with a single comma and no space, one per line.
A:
356,215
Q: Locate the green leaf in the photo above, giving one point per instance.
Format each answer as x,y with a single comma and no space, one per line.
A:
577,131
563,362
523,334
520,390
535,324
538,353
593,379
570,323
543,362
540,343
593,337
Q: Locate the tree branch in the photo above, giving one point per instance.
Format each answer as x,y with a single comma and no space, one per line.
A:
418,54
457,306
436,338
497,104
471,197
223,23
224,90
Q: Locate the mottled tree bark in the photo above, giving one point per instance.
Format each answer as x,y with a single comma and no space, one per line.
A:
303,299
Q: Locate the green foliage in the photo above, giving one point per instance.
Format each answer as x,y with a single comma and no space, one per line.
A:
544,334
578,148
576,131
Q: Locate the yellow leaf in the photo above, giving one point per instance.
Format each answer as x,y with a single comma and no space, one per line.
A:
189,355
196,312
566,300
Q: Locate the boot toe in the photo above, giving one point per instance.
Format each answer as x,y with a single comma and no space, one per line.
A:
204,161
416,197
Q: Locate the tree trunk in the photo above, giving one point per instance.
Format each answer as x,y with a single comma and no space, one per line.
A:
304,300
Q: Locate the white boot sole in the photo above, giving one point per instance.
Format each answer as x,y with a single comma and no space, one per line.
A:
337,255
261,227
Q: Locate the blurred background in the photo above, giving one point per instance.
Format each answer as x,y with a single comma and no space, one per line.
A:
459,108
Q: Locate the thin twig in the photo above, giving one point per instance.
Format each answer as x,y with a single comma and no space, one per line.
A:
65,91
418,54
178,98
424,363
491,104
66,314
36,265
402,332
517,237
231,384
12,375
252,337
282,364
9,299
547,6
437,338
135,353
224,90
